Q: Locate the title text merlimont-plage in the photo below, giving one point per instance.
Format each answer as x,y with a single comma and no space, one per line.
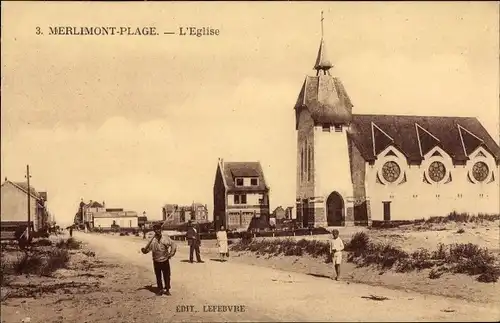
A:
127,31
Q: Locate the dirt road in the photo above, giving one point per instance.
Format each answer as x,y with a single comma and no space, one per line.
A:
264,294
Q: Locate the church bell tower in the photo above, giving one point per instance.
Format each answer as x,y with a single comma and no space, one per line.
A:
323,114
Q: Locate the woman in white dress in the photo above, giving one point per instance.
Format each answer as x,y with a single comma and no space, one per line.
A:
222,243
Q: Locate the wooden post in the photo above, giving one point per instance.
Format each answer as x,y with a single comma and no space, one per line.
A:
28,234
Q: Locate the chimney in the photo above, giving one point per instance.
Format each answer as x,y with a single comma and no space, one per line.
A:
103,203
6,179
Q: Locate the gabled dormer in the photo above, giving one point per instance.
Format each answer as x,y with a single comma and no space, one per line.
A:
243,176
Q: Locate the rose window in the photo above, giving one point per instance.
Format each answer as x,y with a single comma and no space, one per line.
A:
391,171
480,171
437,171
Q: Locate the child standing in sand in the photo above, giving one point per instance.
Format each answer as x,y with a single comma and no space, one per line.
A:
336,247
222,243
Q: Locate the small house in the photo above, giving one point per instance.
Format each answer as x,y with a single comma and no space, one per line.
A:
241,196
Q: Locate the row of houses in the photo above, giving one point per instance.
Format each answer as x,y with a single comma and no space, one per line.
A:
94,214
178,214
14,207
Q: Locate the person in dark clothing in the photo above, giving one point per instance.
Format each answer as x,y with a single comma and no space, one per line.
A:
194,242
143,232
71,231
163,248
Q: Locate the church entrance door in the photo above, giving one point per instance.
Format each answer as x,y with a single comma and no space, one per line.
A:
335,210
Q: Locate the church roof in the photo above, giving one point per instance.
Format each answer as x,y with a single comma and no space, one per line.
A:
414,136
231,170
326,99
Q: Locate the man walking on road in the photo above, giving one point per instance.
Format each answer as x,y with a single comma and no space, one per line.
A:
163,249
194,242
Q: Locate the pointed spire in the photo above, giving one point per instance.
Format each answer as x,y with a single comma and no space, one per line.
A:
322,61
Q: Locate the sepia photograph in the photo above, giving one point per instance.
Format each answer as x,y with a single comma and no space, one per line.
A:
238,161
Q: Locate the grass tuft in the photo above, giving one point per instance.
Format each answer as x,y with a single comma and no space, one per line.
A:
39,264
464,217
70,243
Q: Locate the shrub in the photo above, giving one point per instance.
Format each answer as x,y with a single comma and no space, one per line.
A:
3,272
43,243
463,218
27,264
41,265
490,275
89,253
440,253
488,217
435,274
461,230
57,259
246,237
420,259
287,247
314,248
384,255
70,243
358,244
470,259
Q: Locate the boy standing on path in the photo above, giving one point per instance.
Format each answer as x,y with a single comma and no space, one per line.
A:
163,249
336,247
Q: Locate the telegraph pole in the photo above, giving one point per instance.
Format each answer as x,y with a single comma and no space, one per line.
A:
29,199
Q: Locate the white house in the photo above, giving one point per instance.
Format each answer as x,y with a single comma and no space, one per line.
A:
111,218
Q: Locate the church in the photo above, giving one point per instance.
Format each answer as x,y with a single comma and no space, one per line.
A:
353,169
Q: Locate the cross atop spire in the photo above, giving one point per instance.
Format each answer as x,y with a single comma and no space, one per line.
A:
322,62
322,24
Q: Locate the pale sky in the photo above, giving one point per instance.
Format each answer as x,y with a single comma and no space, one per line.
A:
141,121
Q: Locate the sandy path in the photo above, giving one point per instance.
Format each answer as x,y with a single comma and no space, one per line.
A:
273,295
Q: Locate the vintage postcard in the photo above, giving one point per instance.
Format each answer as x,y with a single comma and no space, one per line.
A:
249,161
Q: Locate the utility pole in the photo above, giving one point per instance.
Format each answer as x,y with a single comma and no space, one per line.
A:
29,199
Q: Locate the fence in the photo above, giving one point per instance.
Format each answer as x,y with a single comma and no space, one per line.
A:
244,234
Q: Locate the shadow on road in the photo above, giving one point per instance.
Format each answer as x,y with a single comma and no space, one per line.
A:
199,262
319,275
376,298
152,289
218,260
